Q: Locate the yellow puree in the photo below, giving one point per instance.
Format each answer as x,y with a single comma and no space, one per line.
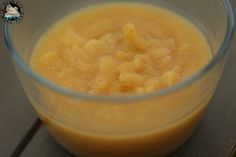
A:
115,49
121,49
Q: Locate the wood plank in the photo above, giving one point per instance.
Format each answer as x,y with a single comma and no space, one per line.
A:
16,114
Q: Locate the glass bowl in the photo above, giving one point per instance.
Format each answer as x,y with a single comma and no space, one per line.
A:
152,124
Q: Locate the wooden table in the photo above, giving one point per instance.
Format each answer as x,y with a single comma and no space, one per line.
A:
23,135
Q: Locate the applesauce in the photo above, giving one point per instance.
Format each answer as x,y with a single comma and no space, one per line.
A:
108,51
121,49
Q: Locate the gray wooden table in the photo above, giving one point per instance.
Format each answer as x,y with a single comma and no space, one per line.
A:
23,135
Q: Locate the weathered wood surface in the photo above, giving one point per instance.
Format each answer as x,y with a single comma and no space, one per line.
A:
16,114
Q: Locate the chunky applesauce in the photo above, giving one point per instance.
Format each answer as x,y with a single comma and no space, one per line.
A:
122,49
113,50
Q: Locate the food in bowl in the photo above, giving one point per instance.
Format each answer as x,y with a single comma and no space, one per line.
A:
121,49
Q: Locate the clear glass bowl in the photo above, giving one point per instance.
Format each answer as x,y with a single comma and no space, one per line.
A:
84,124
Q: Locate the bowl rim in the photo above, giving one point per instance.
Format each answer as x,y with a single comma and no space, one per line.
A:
124,98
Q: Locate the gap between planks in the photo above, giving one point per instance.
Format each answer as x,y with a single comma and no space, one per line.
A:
23,144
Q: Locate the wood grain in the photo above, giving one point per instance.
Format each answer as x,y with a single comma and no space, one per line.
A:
16,114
